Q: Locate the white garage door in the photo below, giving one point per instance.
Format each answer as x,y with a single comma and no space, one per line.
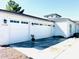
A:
19,31
41,31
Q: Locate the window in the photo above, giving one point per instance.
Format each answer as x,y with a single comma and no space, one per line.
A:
35,24
5,21
24,22
41,24
14,21
49,25
11,20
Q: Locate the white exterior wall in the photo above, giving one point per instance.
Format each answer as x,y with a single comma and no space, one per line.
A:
4,31
60,29
63,28
17,32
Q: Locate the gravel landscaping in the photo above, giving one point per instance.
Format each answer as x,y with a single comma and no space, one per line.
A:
10,53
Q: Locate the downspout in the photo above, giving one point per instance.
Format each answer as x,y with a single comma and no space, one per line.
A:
75,27
54,29
29,24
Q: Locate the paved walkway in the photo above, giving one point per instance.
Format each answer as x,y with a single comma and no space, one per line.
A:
71,53
68,49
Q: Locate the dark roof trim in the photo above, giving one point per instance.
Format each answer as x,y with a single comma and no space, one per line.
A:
72,21
64,20
76,21
26,15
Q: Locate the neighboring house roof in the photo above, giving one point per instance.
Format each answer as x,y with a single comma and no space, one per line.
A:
26,15
58,19
54,14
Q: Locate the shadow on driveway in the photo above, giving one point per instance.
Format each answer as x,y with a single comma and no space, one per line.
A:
39,44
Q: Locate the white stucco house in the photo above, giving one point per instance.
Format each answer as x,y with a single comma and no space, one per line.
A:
15,27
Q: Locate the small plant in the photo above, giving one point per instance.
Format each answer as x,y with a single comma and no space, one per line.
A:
14,7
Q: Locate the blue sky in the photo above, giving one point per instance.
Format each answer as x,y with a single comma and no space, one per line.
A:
66,8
